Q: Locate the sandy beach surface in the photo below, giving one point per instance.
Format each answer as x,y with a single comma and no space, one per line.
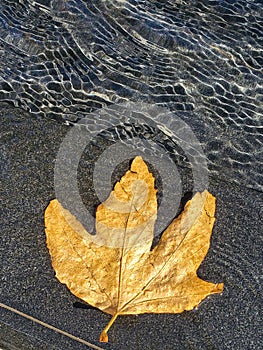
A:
227,321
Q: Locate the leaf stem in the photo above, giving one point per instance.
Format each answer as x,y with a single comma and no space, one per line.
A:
104,335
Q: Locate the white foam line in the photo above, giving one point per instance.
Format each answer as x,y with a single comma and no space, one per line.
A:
50,327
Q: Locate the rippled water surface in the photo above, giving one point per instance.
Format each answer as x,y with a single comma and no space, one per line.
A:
202,60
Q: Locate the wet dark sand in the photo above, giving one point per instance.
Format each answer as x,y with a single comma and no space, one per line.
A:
227,321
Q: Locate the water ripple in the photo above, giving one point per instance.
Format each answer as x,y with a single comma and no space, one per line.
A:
203,61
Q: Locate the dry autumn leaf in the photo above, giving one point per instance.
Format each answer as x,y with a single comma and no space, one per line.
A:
116,270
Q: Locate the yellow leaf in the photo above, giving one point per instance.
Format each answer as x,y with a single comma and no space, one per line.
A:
116,270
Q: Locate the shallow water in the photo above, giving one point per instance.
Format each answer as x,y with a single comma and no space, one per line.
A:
64,59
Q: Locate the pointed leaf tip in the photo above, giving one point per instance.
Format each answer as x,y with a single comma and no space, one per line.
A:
138,165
